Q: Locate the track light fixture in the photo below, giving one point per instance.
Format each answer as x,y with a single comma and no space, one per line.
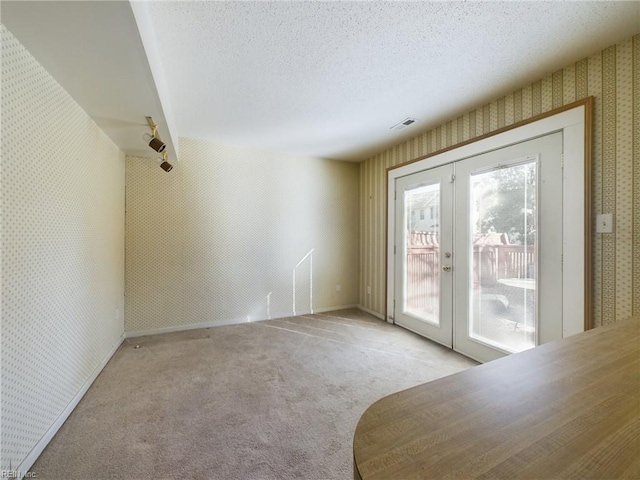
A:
153,139
155,143
166,166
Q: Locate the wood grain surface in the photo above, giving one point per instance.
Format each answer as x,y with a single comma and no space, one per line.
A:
567,409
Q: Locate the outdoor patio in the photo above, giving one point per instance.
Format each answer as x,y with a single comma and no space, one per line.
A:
503,290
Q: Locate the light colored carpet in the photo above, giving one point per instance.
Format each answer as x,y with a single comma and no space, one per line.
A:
278,399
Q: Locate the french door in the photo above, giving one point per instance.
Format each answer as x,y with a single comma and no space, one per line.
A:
478,250
424,242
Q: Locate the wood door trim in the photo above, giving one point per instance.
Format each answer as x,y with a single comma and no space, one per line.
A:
587,103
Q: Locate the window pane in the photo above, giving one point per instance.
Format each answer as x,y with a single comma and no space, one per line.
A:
502,296
422,272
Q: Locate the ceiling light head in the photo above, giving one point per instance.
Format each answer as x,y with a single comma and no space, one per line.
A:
166,166
155,143
158,145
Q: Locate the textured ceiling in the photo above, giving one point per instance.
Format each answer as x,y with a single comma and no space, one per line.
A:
329,79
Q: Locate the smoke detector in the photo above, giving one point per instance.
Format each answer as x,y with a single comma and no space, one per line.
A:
404,124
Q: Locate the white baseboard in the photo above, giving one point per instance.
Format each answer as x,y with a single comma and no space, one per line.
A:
182,328
375,314
232,321
333,309
36,451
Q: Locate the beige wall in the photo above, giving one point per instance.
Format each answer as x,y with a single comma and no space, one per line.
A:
62,250
612,77
216,239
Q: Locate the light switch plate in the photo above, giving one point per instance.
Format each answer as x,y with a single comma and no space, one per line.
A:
604,223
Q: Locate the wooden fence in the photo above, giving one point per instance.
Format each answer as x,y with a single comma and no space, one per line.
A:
423,278
490,264
494,262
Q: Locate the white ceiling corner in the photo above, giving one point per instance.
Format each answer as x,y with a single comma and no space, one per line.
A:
95,51
147,36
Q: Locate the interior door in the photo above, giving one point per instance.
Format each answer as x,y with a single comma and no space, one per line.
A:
478,250
424,239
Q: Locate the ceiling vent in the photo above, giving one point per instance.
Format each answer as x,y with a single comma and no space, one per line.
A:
404,124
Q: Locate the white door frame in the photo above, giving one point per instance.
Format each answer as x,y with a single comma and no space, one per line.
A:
575,122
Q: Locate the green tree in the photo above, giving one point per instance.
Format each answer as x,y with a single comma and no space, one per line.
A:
506,202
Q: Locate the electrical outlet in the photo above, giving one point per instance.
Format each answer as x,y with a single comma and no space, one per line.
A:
368,290
338,287
117,313
604,223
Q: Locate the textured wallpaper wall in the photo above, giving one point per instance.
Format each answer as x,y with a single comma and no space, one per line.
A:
62,250
612,77
218,238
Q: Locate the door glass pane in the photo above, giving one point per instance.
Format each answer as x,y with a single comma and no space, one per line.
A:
502,299
422,269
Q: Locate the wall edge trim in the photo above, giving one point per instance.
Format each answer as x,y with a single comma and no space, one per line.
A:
371,312
333,309
37,450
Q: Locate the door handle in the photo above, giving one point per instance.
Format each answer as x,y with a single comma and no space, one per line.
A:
446,268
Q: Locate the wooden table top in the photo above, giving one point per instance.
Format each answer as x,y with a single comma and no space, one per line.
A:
566,409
